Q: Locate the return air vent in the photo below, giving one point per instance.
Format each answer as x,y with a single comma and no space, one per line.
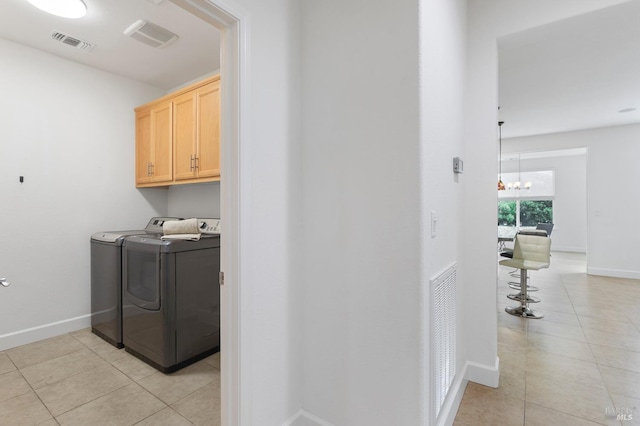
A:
72,41
150,34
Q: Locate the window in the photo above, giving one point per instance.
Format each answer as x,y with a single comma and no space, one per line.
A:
525,212
527,207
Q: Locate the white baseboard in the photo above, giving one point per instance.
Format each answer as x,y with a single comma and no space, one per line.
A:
484,374
304,418
452,401
616,273
34,334
474,372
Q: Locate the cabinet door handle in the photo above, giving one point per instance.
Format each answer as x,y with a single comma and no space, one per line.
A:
152,167
191,163
148,168
197,162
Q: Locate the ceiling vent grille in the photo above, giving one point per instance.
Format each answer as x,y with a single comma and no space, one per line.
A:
72,41
150,34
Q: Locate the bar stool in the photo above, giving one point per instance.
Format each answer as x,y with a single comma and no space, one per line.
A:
530,253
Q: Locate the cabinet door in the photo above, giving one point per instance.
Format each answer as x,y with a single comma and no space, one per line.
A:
208,98
143,146
161,146
184,136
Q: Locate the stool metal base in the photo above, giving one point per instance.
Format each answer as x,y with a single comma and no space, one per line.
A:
524,312
520,297
516,286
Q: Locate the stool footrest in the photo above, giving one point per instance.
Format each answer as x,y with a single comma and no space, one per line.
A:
524,312
516,286
523,297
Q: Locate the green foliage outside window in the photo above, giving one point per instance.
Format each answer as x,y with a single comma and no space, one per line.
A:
535,212
507,213
532,212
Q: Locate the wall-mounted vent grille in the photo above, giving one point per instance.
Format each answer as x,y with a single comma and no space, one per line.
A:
72,41
150,34
443,335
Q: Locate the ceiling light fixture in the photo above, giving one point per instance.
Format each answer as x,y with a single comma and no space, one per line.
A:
62,8
518,185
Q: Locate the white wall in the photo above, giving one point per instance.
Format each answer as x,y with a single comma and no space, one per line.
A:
69,130
361,212
195,200
442,90
570,202
613,203
379,135
274,308
489,20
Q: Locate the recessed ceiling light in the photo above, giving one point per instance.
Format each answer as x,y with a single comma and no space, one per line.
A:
627,110
63,8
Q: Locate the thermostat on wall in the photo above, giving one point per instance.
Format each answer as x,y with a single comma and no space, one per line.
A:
458,165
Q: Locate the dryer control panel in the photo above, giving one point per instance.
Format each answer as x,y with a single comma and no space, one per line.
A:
209,225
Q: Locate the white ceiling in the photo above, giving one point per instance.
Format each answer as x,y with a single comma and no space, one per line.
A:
194,54
568,75
572,74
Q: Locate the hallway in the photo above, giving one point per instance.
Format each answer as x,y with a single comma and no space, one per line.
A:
579,365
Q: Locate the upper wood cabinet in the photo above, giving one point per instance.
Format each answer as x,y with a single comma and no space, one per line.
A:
154,144
196,133
185,128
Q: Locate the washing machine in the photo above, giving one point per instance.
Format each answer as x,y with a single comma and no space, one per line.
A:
171,297
106,279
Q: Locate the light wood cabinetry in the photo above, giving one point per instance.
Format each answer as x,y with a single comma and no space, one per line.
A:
196,133
178,137
154,144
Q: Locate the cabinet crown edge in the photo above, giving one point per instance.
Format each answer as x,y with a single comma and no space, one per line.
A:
178,92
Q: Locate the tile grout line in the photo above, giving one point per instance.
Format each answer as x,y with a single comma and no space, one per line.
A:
595,358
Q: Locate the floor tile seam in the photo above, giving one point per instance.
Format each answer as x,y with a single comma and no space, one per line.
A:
607,387
33,390
560,411
615,347
169,407
18,396
571,358
127,375
188,395
548,375
578,318
86,402
75,373
80,341
110,361
47,360
559,337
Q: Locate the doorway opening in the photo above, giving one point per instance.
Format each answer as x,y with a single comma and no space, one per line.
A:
234,202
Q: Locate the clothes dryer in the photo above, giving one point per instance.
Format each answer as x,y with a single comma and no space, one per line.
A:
171,298
106,279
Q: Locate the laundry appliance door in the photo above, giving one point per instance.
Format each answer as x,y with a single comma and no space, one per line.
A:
142,274
147,295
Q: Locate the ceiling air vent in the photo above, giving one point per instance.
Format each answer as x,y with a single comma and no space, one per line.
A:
72,41
150,34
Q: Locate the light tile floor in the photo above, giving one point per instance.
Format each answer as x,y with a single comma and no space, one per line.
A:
79,379
575,366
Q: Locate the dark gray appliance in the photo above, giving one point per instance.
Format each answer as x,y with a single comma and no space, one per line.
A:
171,298
106,279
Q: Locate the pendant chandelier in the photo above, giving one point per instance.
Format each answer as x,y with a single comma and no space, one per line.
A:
518,184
